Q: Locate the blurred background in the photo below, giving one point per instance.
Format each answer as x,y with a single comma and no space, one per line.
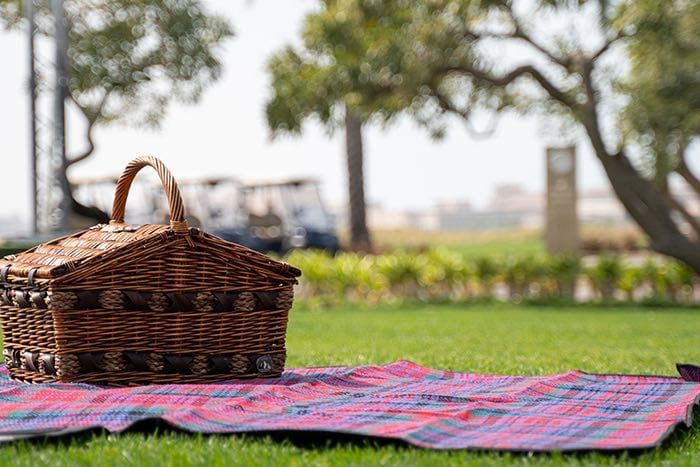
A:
426,150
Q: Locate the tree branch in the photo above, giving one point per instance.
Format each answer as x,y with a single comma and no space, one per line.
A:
447,105
689,218
590,112
521,34
502,81
92,118
684,171
605,47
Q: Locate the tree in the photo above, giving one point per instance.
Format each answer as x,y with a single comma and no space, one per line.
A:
567,58
129,59
305,86
663,116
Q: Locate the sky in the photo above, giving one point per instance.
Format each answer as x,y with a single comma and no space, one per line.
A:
225,133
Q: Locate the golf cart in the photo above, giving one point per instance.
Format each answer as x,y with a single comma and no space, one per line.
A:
270,216
289,214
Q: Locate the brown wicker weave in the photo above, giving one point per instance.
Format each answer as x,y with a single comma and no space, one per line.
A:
121,305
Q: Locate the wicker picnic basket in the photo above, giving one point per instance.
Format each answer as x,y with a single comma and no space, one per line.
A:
120,304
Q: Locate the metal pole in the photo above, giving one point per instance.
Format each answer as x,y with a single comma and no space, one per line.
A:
60,94
32,105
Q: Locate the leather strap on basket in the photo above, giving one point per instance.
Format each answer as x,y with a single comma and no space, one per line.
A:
177,210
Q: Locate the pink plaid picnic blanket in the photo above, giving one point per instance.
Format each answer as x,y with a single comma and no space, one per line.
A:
402,401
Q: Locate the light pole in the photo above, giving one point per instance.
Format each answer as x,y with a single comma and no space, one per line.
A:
29,11
48,88
58,153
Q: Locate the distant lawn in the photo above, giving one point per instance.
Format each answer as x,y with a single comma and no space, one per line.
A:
495,338
469,243
497,242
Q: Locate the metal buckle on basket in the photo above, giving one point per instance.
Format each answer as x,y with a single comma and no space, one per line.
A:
3,273
264,364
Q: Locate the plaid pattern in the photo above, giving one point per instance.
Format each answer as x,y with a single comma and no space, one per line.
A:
428,408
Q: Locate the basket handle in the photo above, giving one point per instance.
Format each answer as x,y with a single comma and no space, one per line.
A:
177,209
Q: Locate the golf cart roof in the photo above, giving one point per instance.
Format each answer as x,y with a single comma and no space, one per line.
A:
211,181
282,182
101,180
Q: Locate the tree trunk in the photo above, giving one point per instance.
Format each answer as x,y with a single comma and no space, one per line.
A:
359,234
90,213
645,203
81,213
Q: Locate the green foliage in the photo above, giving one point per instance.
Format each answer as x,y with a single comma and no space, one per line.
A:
301,89
533,276
668,282
404,275
334,58
486,271
564,271
446,274
429,57
681,280
664,111
631,280
355,51
437,275
605,275
655,277
128,59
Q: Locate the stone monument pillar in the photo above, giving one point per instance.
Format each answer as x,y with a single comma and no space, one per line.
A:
561,217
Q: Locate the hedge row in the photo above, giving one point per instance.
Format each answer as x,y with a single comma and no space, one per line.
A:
442,275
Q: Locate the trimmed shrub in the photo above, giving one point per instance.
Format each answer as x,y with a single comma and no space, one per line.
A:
442,275
605,276
564,271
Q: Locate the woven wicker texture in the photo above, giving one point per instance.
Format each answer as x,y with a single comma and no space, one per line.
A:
120,304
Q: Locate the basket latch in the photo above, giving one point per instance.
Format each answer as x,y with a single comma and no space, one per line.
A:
4,272
30,277
264,364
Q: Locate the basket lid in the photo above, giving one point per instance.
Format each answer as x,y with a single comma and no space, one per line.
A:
64,254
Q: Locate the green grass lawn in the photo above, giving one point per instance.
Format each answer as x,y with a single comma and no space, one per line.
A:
494,338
